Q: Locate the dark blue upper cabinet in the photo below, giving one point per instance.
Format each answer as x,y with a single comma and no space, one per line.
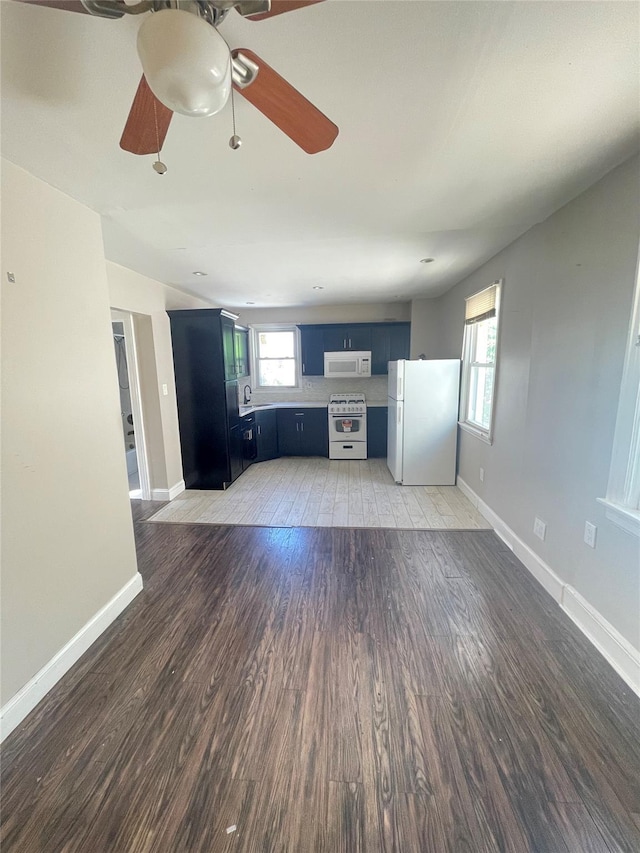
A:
312,350
390,343
359,338
343,337
386,341
228,348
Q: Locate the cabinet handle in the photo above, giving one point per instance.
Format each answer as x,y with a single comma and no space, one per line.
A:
297,426
349,343
344,344
259,430
299,414
301,426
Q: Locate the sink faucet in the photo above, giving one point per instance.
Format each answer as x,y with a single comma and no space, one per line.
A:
246,391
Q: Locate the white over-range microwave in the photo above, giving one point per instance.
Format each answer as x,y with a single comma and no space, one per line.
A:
347,365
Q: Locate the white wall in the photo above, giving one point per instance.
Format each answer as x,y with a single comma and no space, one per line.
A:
373,312
566,306
148,301
425,328
67,532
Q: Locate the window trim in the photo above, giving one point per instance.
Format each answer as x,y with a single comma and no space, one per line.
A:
471,427
255,356
622,502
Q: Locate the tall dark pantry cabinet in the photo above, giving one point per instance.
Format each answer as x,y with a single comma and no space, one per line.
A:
207,391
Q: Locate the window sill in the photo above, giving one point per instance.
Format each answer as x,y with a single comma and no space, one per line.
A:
627,519
478,433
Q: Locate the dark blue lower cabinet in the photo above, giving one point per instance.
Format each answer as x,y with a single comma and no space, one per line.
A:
266,435
249,440
314,434
236,452
303,432
376,432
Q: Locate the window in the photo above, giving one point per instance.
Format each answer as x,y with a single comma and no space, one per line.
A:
623,493
276,351
479,355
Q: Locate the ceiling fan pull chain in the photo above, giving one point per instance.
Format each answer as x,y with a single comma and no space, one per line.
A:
235,142
158,166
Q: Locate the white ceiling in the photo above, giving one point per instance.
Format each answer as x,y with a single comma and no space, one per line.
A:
462,124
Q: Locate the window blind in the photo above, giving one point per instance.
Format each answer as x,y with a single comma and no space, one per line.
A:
481,305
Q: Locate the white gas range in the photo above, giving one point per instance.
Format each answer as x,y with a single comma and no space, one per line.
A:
347,426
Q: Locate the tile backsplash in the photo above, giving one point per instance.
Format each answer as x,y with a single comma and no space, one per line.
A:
317,388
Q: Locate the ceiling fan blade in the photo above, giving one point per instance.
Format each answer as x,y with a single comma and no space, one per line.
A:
100,8
287,108
148,123
67,5
280,6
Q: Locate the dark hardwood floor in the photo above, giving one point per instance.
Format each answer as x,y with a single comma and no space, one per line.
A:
327,690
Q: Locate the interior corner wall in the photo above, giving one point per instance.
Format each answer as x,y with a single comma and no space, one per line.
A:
149,300
67,532
565,313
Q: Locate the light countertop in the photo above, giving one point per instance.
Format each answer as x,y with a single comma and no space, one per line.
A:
302,404
314,404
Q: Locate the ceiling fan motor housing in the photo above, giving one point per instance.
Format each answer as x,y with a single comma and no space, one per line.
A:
186,62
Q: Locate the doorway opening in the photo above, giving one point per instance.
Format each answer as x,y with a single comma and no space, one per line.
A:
130,405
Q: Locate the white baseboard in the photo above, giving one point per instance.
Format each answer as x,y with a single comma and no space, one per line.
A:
26,699
467,491
616,650
168,494
612,645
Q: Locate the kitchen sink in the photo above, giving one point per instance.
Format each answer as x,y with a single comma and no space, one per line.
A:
254,406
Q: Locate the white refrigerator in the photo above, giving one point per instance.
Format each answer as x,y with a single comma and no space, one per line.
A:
423,421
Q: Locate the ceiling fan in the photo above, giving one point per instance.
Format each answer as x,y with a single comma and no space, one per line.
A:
188,68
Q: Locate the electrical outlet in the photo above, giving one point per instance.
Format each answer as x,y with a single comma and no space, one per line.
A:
165,390
482,475
590,531
539,528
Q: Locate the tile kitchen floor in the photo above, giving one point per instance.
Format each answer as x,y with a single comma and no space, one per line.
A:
318,492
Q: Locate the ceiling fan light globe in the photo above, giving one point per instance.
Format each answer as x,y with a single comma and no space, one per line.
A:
186,62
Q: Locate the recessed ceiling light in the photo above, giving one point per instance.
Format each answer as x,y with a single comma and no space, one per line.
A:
427,260
250,303
317,287
199,272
